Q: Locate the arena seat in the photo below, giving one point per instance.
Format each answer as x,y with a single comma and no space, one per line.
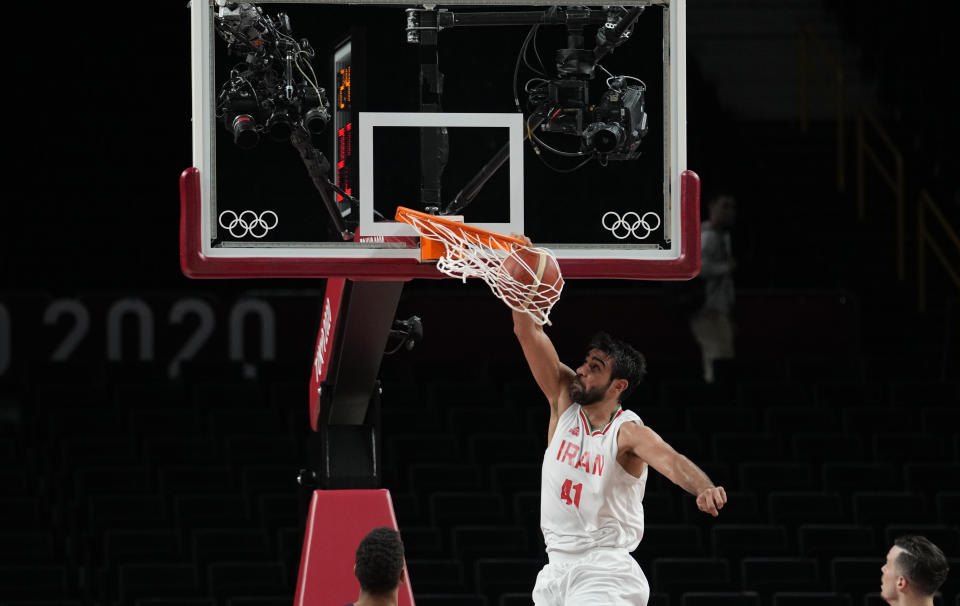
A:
828,540
675,575
820,446
775,476
454,599
425,541
855,575
140,512
737,541
210,545
506,575
719,598
139,546
804,507
464,508
767,575
881,508
929,478
243,579
847,477
431,477
796,598
948,506
744,446
794,420
669,540
510,478
477,542
26,547
902,446
157,580
436,575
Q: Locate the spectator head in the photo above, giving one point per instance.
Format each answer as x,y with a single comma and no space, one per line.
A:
379,563
723,211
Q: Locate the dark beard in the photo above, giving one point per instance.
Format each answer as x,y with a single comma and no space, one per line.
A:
586,397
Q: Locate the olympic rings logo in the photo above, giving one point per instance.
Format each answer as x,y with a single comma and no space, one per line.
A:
629,224
248,222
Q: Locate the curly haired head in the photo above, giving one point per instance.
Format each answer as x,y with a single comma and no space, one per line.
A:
380,561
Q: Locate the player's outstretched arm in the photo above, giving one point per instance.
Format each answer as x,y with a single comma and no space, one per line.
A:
646,444
551,375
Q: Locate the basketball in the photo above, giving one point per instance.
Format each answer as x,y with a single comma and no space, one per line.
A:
535,277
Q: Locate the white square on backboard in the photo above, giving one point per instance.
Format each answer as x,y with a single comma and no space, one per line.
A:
370,120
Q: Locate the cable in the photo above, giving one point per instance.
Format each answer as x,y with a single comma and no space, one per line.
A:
540,142
564,170
516,68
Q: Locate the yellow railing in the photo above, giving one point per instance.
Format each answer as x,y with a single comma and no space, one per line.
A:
869,129
808,41
892,177
925,239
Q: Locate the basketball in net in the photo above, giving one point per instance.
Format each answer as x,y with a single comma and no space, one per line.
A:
533,278
527,279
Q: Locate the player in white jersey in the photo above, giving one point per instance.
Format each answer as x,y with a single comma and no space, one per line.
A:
595,470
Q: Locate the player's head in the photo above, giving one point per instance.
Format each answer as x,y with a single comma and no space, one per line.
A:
612,368
914,567
379,566
723,210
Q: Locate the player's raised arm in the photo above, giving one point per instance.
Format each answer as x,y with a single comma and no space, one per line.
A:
551,375
646,444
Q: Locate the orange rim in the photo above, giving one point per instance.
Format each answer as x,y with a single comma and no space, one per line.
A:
505,242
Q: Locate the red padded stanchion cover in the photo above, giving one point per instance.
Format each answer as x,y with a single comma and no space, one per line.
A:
338,521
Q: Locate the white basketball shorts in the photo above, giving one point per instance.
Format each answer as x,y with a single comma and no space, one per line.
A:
597,577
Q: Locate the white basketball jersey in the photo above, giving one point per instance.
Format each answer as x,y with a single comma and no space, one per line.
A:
586,498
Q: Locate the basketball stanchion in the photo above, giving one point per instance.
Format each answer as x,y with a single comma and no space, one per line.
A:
524,277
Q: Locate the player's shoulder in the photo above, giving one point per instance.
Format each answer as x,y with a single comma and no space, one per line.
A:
628,416
632,429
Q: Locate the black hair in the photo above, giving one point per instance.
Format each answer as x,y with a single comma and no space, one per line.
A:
922,562
380,561
719,197
628,363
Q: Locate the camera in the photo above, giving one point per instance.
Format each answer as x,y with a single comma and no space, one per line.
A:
620,124
612,129
274,88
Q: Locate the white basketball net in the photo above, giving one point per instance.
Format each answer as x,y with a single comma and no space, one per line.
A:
470,255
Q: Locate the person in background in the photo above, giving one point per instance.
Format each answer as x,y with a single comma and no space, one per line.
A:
913,572
379,568
712,324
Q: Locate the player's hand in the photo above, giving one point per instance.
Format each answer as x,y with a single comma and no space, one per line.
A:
522,237
712,500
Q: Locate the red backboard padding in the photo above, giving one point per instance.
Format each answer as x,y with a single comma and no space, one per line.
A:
338,521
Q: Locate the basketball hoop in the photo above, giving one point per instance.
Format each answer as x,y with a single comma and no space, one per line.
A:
526,278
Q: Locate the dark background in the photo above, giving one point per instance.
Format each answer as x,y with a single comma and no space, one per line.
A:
98,131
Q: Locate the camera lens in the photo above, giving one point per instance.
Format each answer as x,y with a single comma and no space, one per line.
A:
605,141
279,126
316,120
604,138
245,131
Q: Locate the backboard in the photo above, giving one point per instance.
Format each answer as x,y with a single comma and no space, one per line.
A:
422,106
